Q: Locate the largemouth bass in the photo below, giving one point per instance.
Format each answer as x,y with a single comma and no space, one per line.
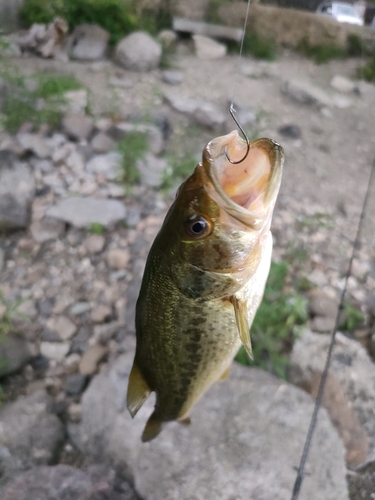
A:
204,278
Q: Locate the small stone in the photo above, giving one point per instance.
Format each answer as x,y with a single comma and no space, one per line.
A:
306,93
172,77
80,308
102,143
167,37
27,309
80,342
207,48
122,83
94,243
83,212
343,84
209,115
89,42
118,259
291,131
15,352
75,101
107,165
47,229
62,326
101,313
91,359
75,412
152,170
72,363
2,259
321,324
321,304
138,52
75,384
54,350
77,126
104,333
34,143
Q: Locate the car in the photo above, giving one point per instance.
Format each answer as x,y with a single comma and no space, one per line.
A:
341,11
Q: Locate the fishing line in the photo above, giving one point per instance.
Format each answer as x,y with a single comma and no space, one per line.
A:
318,401
232,109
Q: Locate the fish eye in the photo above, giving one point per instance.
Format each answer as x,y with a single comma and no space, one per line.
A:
198,226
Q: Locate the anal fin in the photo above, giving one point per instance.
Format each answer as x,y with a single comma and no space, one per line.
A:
240,311
152,429
138,390
185,421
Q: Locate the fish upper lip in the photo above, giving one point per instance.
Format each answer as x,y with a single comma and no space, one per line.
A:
214,150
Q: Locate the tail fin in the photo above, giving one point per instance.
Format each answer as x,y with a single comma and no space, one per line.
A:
152,429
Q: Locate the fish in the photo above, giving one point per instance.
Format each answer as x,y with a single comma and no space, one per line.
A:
204,278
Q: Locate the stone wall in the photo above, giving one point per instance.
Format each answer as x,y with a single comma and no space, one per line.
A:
8,14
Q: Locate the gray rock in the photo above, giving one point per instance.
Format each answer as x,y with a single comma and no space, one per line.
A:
290,131
152,170
101,313
117,258
361,482
172,77
245,441
77,126
138,52
94,243
63,482
3,93
47,229
203,112
54,350
91,359
306,93
34,143
343,84
30,435
62,326
75,101
17,188
15,352
207,48
108,165
90,42
351,366
83,212
2,259
75,384
80,308
207,29
101,143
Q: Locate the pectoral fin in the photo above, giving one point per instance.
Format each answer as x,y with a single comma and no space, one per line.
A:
138,390
240,311
225,374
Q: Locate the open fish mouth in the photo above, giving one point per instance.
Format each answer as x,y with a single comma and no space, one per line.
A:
246,190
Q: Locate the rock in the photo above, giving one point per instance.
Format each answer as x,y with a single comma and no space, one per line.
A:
75,384
47,229
30,435
343,84
206,48
17,189
63,482
306,93
101,313
117,258
15,352
324,309
80,342
102,143
207,29
172,77
291,131
108,165
138,52
94,243
75,412
361,482
104,333
167,38
89,42
152,170
2,259
350,366
62,326
203,112
230,449
83,212
75,101
77,126
91,359
321,324
80,308
54,350
34,143
245,114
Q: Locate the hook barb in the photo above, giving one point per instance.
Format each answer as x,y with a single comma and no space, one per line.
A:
232,112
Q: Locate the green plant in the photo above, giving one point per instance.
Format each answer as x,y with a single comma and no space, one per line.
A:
367,71
97,228
132,148
318,220
276,324
321,53
353,318
179,169
39,11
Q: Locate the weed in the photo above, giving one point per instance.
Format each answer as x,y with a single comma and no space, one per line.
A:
97,228
52,85
167,56
353,318
319,220
132,148
321,53
367,72
39,11
276,324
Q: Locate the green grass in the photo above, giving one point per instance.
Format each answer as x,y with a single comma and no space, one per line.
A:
353,318
132,148
40,105
367,72
276,324
321,53
97,228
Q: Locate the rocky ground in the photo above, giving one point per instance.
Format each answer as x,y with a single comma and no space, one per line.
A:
72,257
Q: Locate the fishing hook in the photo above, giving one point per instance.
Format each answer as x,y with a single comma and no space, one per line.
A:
232,111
